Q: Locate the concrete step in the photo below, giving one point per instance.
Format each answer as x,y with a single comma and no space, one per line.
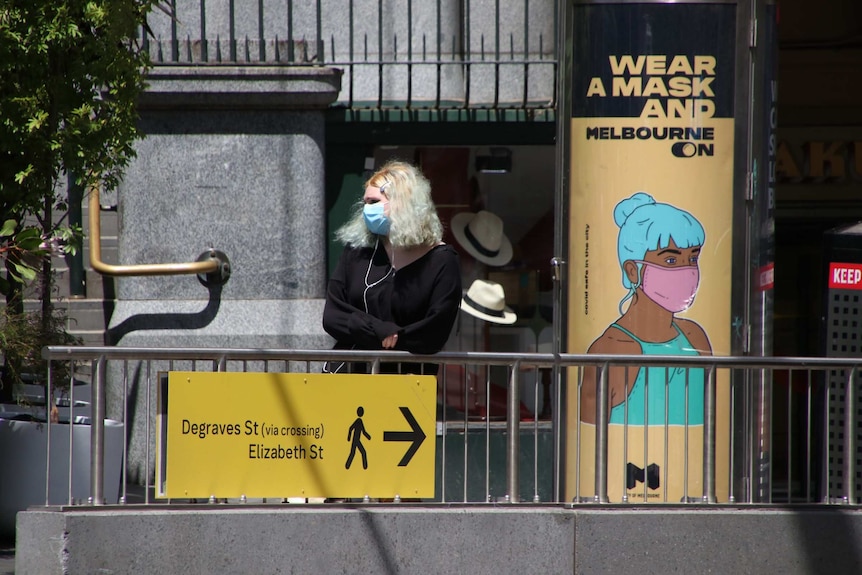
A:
96,287
87,318
90,338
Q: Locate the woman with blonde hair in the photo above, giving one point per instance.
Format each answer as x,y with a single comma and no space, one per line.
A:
397,285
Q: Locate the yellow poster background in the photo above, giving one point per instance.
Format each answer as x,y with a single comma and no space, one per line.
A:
603,173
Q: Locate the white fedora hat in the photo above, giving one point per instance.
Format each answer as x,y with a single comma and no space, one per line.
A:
486,300
482,235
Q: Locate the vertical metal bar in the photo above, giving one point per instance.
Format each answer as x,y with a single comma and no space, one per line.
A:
409,52
205,57
558,430
808,437
319,31
149,405
558,51
175,42
222,363
380,53
625,460
601,470
685,462
496,53
97,435
789,434
260,34
443,421
824,490
536,385
439,43
709,429
77,277
350,66
125,428
232,31
145,38
849,479
513,428
526,51
487,433
466,427
646,426
71,428
48,439
291,54
731,497
767,455
468,54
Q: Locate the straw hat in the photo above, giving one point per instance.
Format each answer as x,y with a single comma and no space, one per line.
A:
482,236
486,300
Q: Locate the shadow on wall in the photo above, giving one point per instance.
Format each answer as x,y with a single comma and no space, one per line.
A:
157,321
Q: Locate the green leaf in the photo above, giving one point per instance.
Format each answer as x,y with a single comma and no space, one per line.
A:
8,228
25,271
22,175
37,121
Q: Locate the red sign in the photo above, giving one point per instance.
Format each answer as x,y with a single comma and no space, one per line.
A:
767,277
845,276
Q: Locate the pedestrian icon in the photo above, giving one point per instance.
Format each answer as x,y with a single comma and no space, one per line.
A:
354,435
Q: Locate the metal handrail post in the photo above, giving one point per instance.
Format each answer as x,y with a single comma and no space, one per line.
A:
513,428
97,434
709,398
49,393
850,439
602,436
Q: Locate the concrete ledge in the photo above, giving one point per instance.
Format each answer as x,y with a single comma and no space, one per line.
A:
241,87
295,539
398,538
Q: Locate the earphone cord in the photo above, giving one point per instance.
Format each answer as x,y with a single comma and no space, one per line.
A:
368,286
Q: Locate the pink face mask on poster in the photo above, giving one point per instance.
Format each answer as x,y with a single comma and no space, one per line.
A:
671,288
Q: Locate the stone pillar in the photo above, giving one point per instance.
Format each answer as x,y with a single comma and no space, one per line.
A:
233,160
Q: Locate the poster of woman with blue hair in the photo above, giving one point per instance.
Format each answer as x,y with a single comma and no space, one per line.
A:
658,252
658,248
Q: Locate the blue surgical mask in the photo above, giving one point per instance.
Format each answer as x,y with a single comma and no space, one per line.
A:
376,219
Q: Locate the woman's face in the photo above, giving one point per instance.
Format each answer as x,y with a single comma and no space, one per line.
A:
373,195
669,257
673,256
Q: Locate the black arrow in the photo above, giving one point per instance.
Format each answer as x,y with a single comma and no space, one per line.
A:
416,435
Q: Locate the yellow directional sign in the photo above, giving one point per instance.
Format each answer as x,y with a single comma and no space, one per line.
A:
296,435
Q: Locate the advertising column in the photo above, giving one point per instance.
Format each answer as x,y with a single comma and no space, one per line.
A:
650,230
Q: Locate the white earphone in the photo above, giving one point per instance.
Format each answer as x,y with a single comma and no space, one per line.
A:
368,286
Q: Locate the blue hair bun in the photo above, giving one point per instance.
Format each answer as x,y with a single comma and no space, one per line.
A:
625,208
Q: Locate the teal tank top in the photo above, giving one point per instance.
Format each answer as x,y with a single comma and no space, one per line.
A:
671,380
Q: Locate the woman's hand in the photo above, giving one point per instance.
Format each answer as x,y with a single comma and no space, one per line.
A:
390,341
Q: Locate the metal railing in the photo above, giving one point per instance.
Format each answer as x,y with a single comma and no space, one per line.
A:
544,457
445,54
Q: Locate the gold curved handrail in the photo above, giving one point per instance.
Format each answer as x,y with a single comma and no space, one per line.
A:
207,266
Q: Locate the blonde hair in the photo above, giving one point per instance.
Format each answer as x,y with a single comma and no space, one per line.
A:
412,213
